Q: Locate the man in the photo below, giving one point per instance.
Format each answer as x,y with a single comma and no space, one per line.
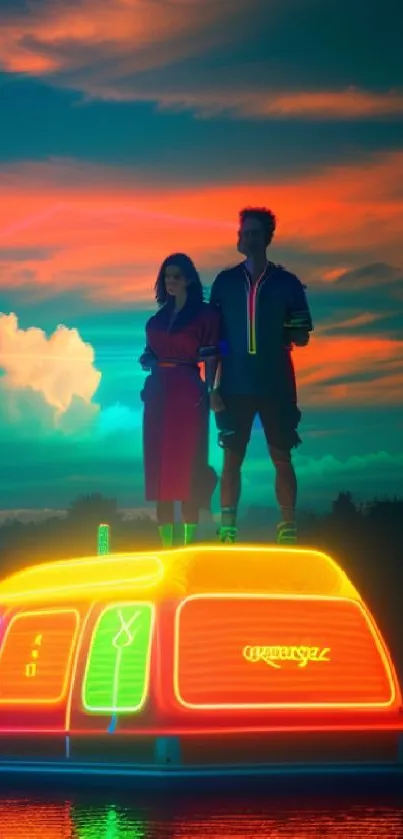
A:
264,313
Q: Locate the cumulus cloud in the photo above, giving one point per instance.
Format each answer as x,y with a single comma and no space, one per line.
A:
59,369
116,420
98,223
49,385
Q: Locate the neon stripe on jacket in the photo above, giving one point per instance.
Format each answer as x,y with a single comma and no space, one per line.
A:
251,308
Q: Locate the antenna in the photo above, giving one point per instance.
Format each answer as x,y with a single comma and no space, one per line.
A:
103,539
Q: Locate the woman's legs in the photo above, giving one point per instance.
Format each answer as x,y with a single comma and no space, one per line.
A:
165,512
165,520
190,518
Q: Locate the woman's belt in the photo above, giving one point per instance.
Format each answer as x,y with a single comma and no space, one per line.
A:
174,363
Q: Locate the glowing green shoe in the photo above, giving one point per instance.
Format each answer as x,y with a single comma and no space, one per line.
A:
228,535
166,532
287,533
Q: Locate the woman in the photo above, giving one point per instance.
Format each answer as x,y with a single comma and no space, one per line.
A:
176,404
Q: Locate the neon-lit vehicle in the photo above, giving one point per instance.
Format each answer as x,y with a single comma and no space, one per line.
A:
199,661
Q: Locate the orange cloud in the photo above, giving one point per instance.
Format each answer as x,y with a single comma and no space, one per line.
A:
107,230
333,274
129,35
363,319
102,233
349,104
378,360
101,46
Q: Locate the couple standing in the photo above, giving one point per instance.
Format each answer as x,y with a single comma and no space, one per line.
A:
244,335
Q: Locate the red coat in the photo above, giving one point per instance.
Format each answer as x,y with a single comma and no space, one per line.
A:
176,407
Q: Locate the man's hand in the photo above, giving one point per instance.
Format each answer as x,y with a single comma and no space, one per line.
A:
298,327
216,403
299,337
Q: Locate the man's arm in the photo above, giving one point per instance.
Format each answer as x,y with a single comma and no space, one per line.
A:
299,321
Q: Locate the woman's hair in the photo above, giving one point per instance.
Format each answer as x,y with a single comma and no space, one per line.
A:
194,288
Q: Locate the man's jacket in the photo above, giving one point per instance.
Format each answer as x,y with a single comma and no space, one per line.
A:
256,320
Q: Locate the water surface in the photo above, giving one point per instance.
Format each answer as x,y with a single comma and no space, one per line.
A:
104,817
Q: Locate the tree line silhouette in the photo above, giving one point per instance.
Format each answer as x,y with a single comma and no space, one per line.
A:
366,539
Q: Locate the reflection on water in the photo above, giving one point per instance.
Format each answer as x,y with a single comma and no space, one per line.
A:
30,819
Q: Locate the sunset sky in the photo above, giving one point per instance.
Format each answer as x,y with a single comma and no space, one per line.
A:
134,128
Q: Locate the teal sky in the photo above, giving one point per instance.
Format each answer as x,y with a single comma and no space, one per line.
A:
133,128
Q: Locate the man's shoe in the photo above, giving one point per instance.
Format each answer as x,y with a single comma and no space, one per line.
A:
287,533
228,535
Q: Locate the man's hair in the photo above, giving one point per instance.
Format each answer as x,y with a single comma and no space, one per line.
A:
266,217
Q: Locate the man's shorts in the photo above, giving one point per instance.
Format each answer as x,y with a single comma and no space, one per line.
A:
279,420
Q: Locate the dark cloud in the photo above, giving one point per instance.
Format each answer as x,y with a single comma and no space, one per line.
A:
269,49
374,276
25,254
11,9
378,291
333,44
52,473
366,303
258,45
380,370
44,310
167,145
372,290
388,324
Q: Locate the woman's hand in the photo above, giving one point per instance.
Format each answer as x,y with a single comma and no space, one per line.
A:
145,360
216,403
